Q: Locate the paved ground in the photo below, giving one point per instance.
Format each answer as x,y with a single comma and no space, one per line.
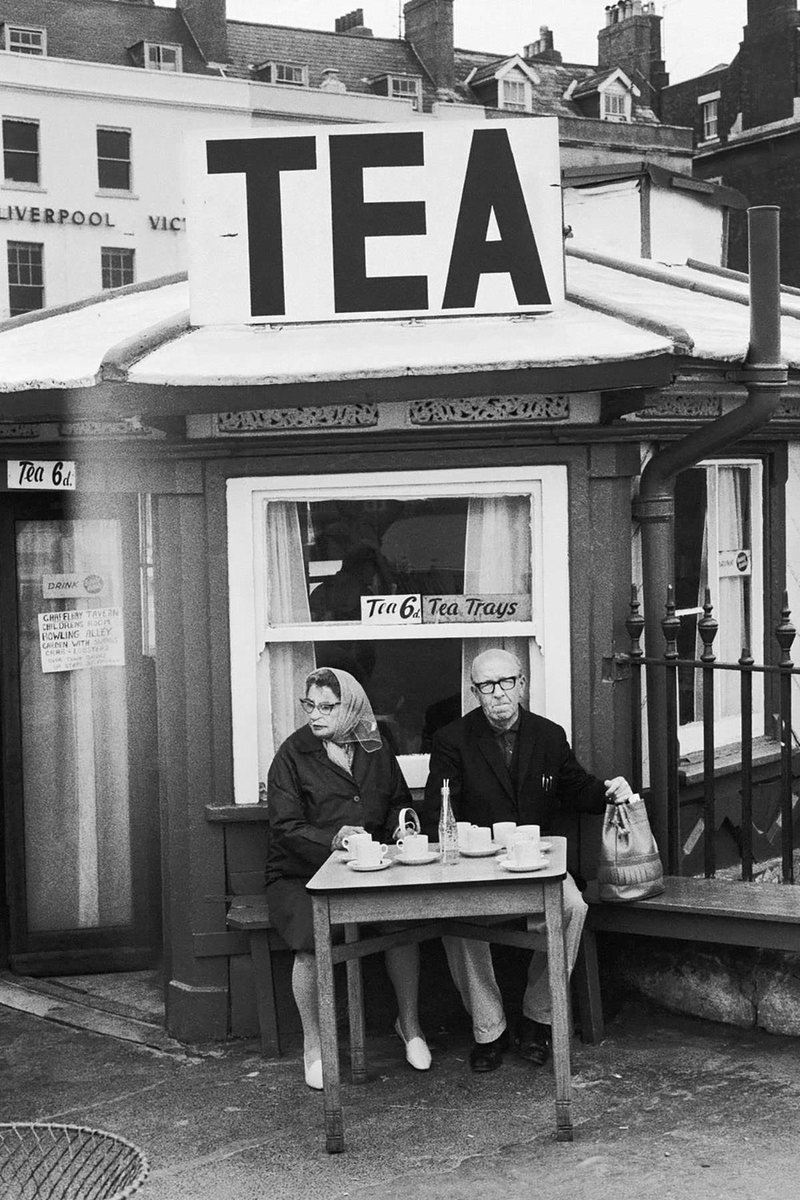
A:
665,1107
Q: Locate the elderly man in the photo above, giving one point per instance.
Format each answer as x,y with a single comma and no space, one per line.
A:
507,764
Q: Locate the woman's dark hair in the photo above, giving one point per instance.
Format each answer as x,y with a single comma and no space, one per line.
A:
322,677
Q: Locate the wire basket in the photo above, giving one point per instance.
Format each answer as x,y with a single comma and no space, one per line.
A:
67,1162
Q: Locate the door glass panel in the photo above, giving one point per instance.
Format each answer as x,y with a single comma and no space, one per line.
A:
74,727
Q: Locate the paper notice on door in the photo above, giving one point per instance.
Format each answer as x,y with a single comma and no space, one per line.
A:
81,637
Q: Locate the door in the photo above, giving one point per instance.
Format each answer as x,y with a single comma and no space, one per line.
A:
79,777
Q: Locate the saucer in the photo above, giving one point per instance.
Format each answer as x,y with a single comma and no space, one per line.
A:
479,853
430,857
379,866
507,866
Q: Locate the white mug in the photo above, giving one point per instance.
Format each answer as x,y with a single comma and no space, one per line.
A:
502,831
351,841
525,853
463,828
480,838
413,845
369,853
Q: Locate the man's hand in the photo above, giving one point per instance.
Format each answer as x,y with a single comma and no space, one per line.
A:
345,831
618,790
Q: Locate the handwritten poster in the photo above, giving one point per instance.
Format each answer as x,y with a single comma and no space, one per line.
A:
81,637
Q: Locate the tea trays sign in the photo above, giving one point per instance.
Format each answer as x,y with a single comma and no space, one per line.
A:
490,608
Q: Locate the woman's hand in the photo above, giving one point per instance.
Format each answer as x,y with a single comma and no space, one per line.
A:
345,831
618,790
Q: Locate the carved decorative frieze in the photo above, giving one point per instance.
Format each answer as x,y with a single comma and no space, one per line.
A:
127,427
269,420
12,431
789,409
482,409
683,407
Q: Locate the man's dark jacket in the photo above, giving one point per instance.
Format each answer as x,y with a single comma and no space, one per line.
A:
550,782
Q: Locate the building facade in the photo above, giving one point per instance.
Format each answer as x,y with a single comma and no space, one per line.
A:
746,123
99,97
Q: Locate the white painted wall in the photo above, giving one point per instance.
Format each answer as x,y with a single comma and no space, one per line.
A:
684,225
606,218
71,99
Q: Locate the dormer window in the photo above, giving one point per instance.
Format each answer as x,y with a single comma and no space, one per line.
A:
515,95
294,74
24,39
161,57
157,56
614,106
406,87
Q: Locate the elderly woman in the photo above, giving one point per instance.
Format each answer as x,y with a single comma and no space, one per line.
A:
331,778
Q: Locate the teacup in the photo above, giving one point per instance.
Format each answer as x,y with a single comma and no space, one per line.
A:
480,838
524,853
369,853
351,841
413,845
527,833
502,831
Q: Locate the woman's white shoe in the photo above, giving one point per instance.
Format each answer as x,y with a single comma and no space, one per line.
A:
417,1053
313,1072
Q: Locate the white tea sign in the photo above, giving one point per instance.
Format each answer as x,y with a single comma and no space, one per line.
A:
391,610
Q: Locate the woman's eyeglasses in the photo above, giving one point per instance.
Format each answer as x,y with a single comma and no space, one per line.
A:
324,709
488,686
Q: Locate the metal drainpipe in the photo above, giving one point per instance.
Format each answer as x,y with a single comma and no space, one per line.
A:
764,377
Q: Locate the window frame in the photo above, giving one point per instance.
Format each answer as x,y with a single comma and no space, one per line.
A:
34,154
101,158
159,47
402,81
14,244
10,28
549,626
615,105
274,65
510,106
727,730
709,134
129,253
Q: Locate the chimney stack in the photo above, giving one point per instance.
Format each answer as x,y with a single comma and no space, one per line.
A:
207,21
631,40
352,24
429,29
542,50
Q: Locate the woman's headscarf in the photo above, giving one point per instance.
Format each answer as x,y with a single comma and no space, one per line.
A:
354,720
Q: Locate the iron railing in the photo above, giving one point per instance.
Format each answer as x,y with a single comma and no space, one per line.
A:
665,671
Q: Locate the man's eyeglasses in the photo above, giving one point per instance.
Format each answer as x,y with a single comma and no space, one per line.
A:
487,688
323,709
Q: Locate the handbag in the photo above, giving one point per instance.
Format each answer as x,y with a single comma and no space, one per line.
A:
629,866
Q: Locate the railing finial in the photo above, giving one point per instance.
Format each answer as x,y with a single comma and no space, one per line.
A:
635,624
707,628
670,625
785,632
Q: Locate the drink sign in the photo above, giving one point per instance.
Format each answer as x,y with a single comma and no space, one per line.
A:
499,606
735,562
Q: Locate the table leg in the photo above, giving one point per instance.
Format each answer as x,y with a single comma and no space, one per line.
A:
326,998
355,1008
559,999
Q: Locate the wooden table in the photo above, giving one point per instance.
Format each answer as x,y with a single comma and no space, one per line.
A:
473,887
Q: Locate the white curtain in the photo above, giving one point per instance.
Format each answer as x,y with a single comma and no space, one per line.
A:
497,560
731,606
730,602
74,743
282,666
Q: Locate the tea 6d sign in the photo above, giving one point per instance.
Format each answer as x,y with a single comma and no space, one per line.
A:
347,222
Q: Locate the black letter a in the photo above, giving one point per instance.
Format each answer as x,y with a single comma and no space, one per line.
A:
492,184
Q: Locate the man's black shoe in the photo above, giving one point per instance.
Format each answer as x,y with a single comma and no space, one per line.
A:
487,1056
532,1041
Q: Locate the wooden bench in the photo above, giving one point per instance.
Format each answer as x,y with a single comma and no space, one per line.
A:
720,911
251,915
